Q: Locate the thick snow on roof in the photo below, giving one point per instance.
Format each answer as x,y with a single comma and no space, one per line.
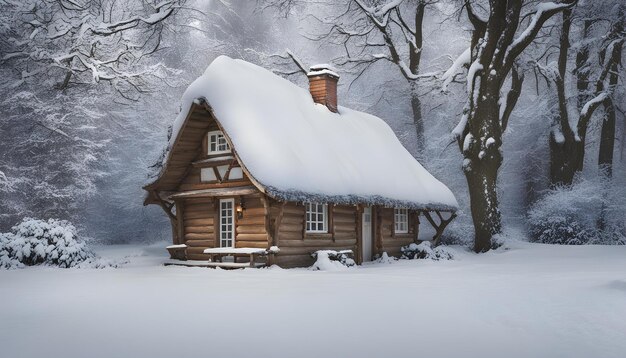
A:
298,150
322,69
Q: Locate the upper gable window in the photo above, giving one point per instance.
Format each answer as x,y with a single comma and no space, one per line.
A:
217,143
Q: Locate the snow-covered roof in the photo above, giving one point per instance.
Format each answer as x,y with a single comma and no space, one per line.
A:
297,150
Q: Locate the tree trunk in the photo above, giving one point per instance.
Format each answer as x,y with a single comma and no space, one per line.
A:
607,136
607,139
566,151
418,122
623,139
494,53
582,85
484,204
481,165
565,157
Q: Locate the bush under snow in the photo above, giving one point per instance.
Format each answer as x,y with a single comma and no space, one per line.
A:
52,242
330,260
425,251
385,258
589,212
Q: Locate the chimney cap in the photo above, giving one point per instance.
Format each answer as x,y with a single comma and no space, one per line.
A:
322,69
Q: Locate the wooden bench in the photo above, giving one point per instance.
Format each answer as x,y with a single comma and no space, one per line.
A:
178,252
218,253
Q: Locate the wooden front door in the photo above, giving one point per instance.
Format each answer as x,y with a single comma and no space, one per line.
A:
227,223
367,242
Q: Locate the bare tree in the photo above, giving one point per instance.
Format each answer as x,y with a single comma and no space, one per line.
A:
495,48
87,41
66,66
571,123
612,55
373,31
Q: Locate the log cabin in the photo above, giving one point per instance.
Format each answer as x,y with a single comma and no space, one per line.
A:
255,161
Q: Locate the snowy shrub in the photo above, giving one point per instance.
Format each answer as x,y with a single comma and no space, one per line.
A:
330,260
589,212
52,242
498,241
425,251
7,261
385,258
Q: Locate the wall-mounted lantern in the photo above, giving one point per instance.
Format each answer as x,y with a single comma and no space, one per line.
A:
240,208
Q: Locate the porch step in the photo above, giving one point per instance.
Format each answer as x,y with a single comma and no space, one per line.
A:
202,263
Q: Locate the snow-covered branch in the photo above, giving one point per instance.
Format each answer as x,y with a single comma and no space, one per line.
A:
543,12
89,42
379,14
590,106
292,58
456,68
508,103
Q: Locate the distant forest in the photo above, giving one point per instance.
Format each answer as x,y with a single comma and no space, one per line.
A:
517,106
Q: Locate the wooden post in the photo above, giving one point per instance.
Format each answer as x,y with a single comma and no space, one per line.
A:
359,234
277,223
167,207
331,224
378,230
179,221
268,229
417,226
216,222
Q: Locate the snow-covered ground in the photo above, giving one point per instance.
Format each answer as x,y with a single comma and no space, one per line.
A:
529,301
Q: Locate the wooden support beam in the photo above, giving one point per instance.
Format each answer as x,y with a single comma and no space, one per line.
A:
267,224
439,228
180,226
359,233
167,207
277,223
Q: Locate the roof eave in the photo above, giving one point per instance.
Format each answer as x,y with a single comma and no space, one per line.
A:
300,196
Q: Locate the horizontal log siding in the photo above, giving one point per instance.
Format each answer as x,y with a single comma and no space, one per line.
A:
199,226
296,246
389,242
250,229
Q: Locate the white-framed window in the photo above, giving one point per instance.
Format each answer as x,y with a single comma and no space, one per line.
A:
401,221
217,143
227,224
316,217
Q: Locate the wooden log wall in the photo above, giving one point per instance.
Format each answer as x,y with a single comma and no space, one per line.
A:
251,228
296,246
199,226
389,242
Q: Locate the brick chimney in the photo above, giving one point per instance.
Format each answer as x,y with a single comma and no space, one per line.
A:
323,86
